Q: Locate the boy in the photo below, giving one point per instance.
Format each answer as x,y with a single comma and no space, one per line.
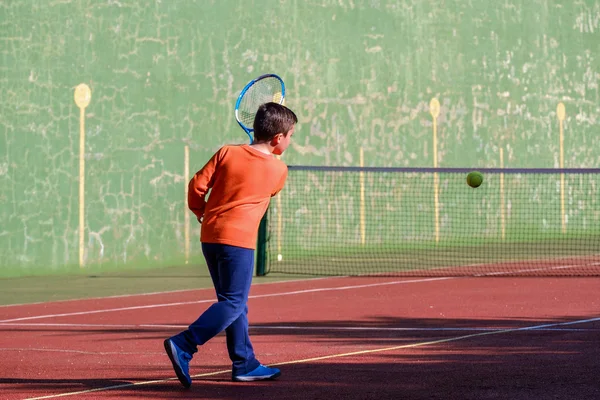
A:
242,179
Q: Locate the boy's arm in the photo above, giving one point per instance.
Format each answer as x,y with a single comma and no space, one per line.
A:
199,186
281,182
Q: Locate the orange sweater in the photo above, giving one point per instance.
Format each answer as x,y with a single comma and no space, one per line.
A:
242,180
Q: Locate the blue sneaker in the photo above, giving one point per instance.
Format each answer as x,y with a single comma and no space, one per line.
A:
260,373
181,362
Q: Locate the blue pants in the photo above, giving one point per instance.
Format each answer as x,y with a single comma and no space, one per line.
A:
231,269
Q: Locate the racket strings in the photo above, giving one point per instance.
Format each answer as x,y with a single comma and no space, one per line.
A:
263,91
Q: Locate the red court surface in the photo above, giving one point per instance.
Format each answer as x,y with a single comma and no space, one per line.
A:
341,338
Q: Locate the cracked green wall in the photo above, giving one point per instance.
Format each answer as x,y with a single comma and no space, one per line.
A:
165,74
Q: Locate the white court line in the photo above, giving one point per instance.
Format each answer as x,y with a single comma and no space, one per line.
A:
309,279
409,329
211,289
94,353
330,356
259,296
289,327
101,326
558,267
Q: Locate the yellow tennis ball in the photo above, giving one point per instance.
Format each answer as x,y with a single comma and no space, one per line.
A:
474,179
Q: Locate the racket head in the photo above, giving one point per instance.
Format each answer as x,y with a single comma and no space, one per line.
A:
266,88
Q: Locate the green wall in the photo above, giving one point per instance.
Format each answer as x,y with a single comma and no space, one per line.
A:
165,75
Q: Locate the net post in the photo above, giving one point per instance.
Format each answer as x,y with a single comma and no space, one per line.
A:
502,200
279,222
434,110
561,114
362,199
261,246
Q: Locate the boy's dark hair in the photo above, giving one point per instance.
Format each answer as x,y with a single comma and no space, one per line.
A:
271,119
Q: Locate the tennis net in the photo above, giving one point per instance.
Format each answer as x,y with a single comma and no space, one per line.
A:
429,222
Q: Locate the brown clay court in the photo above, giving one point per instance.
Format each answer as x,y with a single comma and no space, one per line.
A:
345,338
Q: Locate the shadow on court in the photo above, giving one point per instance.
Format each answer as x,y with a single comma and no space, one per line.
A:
384,330
464,359
394,376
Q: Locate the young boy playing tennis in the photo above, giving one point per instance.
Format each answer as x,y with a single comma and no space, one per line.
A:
242,179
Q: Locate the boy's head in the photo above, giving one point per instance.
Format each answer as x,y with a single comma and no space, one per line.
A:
274,123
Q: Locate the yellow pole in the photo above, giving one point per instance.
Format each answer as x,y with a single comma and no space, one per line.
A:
502,202
186,214
279,224
561,113
362,199
434,109
82,97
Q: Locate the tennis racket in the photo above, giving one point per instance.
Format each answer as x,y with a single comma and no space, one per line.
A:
264,89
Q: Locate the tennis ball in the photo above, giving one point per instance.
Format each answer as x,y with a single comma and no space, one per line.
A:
474,179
